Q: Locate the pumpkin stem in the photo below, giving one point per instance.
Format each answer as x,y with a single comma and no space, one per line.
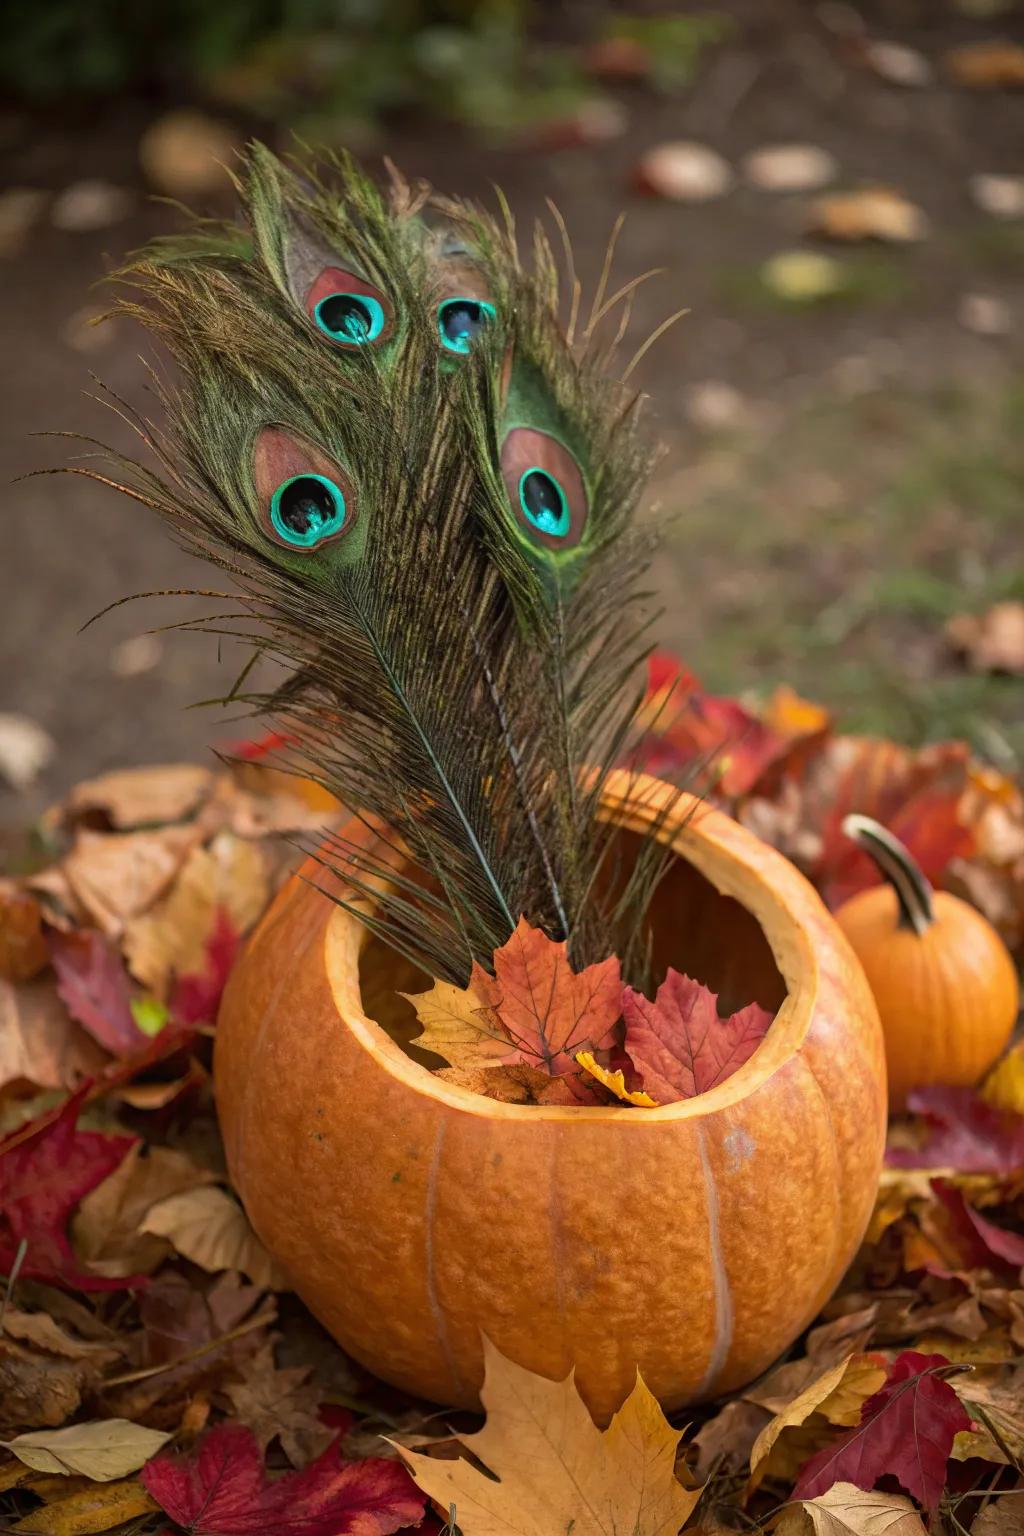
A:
913,892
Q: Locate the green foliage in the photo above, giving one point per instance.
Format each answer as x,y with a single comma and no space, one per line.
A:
330,68
675,42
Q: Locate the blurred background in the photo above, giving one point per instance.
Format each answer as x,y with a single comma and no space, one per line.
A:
834,190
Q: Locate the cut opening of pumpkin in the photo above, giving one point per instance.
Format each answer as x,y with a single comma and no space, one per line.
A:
587,1041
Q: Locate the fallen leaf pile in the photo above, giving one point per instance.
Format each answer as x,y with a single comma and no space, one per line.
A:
156,1375
536,1032
783,770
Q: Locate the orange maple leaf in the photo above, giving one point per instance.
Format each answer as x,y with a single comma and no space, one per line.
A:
549,1012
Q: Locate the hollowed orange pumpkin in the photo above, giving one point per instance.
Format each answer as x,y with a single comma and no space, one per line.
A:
694,1240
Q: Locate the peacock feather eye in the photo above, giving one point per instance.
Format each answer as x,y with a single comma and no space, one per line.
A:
352,313
545,488
305,498
352,318
544,503
307,509
460,321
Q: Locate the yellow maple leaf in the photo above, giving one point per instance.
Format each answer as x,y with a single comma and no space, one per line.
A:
1004,1086
553,1469
459,1026
615,1082
835,1396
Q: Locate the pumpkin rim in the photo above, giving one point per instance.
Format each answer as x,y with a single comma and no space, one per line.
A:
720,848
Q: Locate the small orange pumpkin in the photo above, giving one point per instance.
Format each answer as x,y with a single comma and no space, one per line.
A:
945,985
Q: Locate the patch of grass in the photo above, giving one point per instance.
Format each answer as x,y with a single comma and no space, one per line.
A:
864,279
997,246
830,552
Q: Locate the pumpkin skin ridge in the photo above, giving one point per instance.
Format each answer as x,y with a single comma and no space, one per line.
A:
608,1268
725,1321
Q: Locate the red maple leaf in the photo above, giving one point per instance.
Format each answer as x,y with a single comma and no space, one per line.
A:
964,1132
550,1012
974,1242
254,749
93,984
196,996
222,1489
46,1167
688,730
679,1045
906,1430
917,795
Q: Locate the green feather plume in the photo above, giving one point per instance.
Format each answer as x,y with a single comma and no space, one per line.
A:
450,567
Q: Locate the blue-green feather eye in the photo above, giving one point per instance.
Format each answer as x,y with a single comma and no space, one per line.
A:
544,503
546,490
460,321
351,312
355,318
307,509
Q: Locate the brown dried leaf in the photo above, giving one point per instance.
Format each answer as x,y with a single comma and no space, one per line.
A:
94,1508
874,213
1002,1517
229,876
683,172
106,1229
186,153
280,1404
725,1442
987,66
255,801
992,641
835,1397
994,1397
103,1449
831,1342
190,1339
37,1391
141,797
39,1042
848,1511
117,876
209,1227
61,907
43,1332
23,951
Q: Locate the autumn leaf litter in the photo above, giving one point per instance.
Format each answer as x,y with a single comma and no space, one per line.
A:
153,1368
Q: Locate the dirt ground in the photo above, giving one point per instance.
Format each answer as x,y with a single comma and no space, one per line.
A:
843,476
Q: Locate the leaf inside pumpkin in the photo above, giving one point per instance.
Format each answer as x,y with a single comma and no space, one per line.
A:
535,1012
680,1046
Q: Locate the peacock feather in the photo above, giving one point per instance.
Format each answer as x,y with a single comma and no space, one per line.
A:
425,493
